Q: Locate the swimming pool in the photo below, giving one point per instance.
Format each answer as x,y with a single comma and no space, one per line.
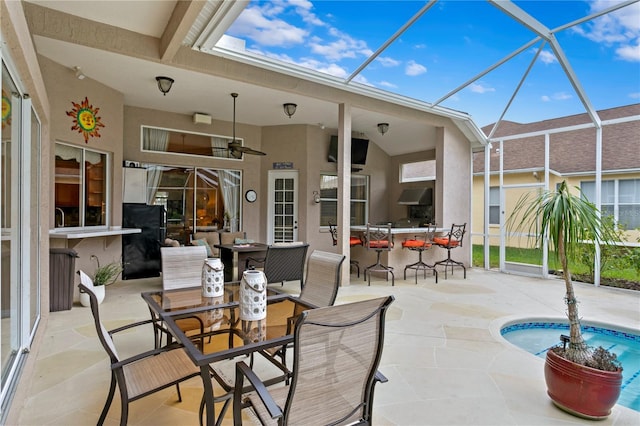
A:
536,337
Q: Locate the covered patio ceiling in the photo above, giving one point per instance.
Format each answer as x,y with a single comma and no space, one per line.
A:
124,45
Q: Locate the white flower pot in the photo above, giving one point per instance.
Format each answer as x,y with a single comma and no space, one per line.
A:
99,291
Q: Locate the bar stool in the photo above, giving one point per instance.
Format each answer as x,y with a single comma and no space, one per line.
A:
379,238
353,241
451,241
421,243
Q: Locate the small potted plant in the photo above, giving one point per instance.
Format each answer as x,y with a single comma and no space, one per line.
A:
103,276
580,379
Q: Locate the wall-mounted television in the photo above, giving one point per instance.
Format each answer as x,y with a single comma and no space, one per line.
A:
359,148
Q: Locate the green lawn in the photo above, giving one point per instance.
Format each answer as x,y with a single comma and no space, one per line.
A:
534,257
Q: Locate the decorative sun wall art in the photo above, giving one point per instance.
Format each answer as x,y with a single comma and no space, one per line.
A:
85,119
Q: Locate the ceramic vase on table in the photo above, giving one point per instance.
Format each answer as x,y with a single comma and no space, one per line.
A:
212,278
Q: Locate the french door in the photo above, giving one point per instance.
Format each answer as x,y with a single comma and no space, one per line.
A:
283,206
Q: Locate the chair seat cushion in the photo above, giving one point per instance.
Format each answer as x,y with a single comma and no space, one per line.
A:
414,244
355,241
380,244
444,241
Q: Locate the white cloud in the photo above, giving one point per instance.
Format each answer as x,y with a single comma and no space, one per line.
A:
634,95
303,8
620,29
481,88
387,84
630,52
413,68
344,46
562,96
558,96
420,46
387,61
257,24
547,57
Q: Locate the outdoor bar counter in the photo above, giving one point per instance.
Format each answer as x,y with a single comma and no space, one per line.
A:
397,257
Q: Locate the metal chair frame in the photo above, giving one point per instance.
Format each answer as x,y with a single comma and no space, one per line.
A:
420,244
379,238
452,240
353,241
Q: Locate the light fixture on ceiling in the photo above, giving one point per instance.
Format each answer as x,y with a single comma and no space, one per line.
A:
79,74
383,128
289,108
164,84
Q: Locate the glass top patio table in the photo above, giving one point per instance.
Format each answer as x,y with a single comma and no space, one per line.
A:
230,336
190,300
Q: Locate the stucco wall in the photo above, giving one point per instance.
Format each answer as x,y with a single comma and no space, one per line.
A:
63,89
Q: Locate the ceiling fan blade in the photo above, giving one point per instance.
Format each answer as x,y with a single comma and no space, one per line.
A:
251,151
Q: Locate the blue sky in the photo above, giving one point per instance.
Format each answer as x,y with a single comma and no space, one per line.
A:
453,42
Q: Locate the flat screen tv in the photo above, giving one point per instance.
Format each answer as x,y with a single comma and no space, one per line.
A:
359,148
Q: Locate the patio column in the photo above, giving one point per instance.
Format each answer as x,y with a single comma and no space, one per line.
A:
344,186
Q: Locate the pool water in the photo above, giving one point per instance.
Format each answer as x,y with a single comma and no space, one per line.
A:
537,337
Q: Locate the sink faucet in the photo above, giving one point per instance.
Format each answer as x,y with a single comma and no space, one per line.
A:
61,224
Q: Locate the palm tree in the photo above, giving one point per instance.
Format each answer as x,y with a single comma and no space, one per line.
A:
567,220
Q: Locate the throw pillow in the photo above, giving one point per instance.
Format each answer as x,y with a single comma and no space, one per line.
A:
204,243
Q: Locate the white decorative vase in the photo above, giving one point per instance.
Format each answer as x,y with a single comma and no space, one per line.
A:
212,278
253,296
98,290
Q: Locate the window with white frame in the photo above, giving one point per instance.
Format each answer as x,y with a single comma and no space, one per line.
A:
418,171
329,199
494,205
620,198
81,182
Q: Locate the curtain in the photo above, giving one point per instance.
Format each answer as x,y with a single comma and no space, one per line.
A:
221,143
230,184
154,140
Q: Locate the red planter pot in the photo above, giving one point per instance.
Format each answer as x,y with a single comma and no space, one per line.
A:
580,390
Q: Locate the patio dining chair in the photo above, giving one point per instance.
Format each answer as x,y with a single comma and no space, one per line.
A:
142,374
324,271
337,350
181,268
282,262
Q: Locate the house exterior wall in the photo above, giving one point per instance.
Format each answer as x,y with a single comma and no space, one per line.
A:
513,195
64,88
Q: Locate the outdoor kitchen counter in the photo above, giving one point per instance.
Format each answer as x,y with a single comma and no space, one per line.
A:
397,257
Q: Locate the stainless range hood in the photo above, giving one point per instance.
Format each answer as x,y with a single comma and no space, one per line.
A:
416,197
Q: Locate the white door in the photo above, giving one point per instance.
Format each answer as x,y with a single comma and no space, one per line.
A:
283,206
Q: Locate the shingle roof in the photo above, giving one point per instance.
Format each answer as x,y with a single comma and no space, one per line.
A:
571,151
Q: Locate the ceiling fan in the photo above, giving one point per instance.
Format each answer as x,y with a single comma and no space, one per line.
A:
235,147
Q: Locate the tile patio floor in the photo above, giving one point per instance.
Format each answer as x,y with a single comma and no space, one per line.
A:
443,356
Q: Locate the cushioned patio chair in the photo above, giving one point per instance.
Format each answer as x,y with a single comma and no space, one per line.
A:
337,350
142,374
379,238
452,240
421,243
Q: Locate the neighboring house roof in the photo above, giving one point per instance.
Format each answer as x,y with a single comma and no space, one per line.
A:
571,151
